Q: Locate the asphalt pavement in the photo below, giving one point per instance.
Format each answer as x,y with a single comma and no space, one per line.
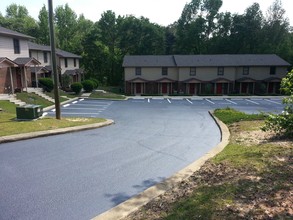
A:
80,175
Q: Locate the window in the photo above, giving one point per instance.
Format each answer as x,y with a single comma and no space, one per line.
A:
165,71
220,71
74,62
65,61
45,57
192,71
272,70
245,70
16,46
138,71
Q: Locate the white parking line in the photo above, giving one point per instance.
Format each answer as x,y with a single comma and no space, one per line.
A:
189,101
252,101
74,102
169,100
149,100
209,101
268,100
81,100
53,110
228,100
66,105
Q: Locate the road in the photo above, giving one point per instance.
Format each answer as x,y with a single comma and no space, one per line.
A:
80,175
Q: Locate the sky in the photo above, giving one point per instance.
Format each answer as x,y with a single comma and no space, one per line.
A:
163,12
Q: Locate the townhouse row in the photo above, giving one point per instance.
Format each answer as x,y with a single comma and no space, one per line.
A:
204,74
23,62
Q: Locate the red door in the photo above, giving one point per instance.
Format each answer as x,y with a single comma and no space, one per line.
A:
271,88
138,88
18,80
191,88
164,88
219,88
244,88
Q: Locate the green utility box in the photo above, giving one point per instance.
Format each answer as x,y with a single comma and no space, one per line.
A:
28,112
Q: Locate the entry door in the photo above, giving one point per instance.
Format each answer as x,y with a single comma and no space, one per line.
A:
244,88
164,88
219,88
138,88
18,79
191,88
271,88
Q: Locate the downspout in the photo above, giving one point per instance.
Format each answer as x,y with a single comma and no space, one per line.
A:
11,80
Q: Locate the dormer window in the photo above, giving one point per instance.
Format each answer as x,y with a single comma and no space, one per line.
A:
192,71
272,70
16,46
66,63
45,57
138,71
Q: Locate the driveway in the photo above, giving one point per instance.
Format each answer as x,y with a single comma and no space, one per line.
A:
80,175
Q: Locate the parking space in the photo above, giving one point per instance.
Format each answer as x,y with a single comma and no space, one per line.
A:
99,108
83,107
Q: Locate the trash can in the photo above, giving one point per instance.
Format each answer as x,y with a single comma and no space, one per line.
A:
28,112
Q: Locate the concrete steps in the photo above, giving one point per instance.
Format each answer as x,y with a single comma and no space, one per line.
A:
12,99
39,92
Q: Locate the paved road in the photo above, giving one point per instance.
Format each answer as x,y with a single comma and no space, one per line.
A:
80,175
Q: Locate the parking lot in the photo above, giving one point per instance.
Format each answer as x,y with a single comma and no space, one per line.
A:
80,175
98,108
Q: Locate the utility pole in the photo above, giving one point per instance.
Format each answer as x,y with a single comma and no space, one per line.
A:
53,60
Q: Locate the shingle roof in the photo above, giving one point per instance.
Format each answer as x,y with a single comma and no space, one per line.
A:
24,61
205,60
7,32
2,59
230,60
61,53
149,60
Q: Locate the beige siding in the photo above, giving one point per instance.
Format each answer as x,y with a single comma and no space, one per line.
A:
39,55
70,64
151,74
7,48
207,73
261,73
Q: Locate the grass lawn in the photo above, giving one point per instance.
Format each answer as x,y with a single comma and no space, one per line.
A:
250,179
107,95
32,98
10,126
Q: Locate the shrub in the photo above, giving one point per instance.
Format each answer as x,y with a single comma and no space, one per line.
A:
76,87
47,84
88,85
96,83
282,124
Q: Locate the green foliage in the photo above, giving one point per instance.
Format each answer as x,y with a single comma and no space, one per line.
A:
282,124
47,84
65,81
76,87
88,85
31,98
229,116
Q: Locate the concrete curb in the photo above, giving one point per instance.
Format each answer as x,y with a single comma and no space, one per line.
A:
18,137
135,203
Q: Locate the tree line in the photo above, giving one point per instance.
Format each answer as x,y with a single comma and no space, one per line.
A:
201,29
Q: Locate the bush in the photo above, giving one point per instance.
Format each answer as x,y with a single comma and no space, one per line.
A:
282,124
88,85
96,83
47,84
76,87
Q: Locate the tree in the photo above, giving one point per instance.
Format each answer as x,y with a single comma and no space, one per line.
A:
282,124
66,24
43,27
196,26
18,19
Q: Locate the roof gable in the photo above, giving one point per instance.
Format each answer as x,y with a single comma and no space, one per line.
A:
11,33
